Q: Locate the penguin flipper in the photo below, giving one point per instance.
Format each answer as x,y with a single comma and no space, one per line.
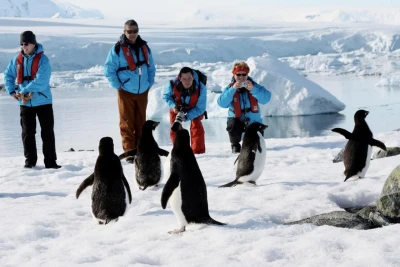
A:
88,181
162,152
345,133
169,187
231,184
130,153
256,146
377,143
128,189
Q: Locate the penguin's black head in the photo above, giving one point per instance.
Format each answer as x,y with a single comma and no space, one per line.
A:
149,124
182,139
360,115
106,145
258,127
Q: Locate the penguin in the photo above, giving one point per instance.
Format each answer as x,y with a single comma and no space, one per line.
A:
146,157
357,152
110,188
251,160
185,189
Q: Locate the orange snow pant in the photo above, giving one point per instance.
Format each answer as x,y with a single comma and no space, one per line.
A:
196,133
132,116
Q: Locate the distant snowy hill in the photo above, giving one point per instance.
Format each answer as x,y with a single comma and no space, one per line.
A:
389,17
44,9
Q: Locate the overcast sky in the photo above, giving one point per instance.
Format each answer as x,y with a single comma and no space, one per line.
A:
129,8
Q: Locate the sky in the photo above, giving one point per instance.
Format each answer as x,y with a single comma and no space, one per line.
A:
129,8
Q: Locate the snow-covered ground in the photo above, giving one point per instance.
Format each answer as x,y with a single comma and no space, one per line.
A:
44,225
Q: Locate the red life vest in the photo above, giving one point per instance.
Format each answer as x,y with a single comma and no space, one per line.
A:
236,103
129,57
194,97
20,67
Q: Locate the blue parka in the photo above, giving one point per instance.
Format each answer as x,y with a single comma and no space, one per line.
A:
40,86
200,107
262,95
130,81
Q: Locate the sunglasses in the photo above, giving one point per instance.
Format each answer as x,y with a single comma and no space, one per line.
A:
132,31
241,74
24,44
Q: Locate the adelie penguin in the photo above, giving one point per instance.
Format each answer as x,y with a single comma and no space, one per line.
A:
357,153
148,169
185,189
111,193
251,160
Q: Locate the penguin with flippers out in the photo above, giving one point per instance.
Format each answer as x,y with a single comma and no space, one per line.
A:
357,152
251,160
147,157
185,189
111,192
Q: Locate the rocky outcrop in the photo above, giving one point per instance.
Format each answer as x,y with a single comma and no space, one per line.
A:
389,202
387,211
339,157
391,151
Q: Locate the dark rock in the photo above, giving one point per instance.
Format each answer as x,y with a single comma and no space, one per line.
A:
339,157
366,212
342,219
391,151
389,202
70,150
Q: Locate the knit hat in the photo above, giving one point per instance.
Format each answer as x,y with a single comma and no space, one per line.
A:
28,37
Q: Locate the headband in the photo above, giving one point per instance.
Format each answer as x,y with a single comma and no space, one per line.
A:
240,68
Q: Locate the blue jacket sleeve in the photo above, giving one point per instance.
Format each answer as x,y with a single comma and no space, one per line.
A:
200,106
110,68
10,74
42,79
226,97
260,93
168,95
152,69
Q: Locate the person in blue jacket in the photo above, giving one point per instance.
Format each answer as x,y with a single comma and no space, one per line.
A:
242,96
130,69
186,96
31,70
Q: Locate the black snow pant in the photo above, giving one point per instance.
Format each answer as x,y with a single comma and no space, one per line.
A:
28,124
235,128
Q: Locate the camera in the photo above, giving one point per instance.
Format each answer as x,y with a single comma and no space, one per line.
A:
244,84
178,121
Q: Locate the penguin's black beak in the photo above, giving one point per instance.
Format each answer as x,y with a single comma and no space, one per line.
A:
366,113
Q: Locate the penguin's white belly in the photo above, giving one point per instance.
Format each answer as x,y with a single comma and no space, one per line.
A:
175,202
167,167
162,171
126,200
259,163
362,173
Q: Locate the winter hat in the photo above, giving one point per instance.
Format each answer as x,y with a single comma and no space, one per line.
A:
28,37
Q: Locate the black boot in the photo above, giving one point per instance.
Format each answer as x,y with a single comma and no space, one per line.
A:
236,148
52,165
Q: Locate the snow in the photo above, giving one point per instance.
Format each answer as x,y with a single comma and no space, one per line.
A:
44,225
45,9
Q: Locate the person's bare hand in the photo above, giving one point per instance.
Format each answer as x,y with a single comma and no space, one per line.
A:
15,96
237,85
250,86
